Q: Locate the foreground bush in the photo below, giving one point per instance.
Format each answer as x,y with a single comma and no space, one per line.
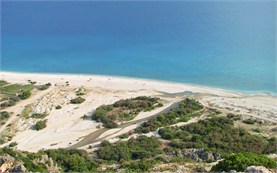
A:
133,149
241,161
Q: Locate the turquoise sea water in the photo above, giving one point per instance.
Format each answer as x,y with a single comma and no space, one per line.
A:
228,45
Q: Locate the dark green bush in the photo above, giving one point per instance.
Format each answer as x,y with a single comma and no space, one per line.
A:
40,125
182,113
58,107
77,100
4,115
12,144
25,94
240,161
124,110
249,121
217,134
133,149
39,115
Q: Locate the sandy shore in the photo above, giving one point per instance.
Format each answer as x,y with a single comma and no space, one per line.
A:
65,126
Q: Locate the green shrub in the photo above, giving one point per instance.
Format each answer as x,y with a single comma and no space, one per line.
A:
139,166
249,121
133,149
4,115
26,111
40,125
39,115
7,103
58,107
43,87
12,144
182,113
241,161
77,100
25,94
216,134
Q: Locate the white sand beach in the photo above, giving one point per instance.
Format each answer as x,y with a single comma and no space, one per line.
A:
65,126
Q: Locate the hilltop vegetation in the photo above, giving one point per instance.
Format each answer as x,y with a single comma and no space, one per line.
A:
185,110
124,110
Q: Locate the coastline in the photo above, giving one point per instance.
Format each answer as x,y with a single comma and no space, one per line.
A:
268,93
65,127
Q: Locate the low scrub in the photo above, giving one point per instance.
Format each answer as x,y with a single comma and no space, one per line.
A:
40,125
77,100
124,110
240,161
185,110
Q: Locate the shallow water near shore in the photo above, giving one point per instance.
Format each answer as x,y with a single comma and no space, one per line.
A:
228,45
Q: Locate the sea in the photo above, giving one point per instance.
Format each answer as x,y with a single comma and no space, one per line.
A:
224,44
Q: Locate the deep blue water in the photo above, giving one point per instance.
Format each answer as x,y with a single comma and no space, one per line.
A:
228,45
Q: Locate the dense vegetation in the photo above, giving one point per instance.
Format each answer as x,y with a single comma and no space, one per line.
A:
72,160
77,100
133,149
12,93
240,161
217,134
124,110
182,113
40,125
68,160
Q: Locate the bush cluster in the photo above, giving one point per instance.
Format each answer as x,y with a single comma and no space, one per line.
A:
217,134
240,161
124,110
182,113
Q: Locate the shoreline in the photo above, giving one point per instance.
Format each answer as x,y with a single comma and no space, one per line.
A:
253,93
65,126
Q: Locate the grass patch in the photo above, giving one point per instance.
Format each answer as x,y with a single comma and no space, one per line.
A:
26,111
